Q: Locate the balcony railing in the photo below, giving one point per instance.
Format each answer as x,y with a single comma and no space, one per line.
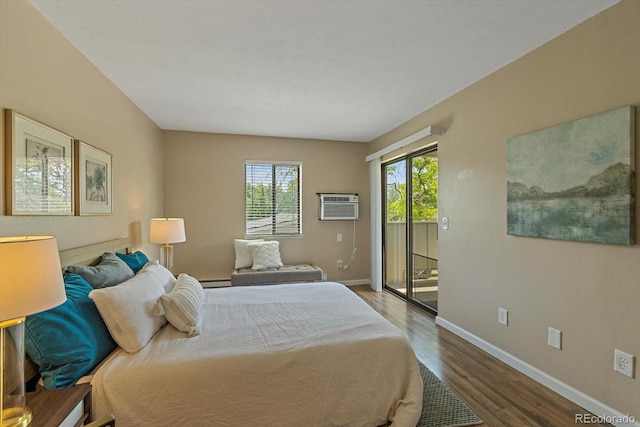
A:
425,249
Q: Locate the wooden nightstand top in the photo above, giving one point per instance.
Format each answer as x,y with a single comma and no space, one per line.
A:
51,407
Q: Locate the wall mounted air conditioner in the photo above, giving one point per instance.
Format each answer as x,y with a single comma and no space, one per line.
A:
338,207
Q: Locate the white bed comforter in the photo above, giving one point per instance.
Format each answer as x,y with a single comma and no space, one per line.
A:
296,355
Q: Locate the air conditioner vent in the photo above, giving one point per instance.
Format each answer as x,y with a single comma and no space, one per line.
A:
338,207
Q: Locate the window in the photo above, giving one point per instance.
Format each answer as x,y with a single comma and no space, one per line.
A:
273,198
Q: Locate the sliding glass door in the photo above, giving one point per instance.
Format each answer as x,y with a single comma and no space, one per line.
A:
410,266
395,226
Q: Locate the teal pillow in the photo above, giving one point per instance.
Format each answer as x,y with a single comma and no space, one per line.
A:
68,341
135,261
110,271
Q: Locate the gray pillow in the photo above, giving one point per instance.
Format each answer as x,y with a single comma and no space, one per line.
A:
110,271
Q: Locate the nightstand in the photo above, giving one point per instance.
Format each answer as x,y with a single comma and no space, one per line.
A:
65,407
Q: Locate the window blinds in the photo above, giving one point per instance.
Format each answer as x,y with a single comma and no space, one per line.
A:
273,198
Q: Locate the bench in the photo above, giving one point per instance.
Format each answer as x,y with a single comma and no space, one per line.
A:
272,276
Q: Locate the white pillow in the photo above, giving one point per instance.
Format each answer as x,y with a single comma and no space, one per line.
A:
127,310
160,272
265,254
182,305
243,254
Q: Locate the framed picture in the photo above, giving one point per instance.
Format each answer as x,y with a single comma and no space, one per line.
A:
575,181
39,165
93,180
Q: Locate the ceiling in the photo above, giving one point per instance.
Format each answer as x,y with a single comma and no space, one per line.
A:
325,69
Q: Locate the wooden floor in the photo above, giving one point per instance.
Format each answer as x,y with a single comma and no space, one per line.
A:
499,394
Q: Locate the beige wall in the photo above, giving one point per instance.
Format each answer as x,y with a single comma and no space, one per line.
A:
204,183
591,292
44,77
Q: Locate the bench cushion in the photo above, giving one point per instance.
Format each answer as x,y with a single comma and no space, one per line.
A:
270,276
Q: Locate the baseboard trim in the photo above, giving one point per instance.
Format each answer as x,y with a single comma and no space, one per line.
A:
355,282
576,396
216,284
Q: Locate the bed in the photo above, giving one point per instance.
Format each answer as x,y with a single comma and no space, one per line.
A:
311,354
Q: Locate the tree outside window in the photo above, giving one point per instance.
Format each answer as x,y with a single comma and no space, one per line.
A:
424,180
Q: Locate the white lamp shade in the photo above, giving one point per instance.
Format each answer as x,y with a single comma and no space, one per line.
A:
167,230
30,276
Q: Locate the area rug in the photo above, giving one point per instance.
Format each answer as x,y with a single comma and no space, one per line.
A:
440,406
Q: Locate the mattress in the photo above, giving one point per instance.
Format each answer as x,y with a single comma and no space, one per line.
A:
311,354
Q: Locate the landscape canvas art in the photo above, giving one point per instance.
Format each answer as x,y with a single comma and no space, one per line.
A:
574,181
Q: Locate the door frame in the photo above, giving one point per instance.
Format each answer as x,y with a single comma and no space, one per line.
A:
408,226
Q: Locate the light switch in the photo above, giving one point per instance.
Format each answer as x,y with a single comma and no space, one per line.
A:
445,223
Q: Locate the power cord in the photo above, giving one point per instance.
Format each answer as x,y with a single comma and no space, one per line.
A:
353,253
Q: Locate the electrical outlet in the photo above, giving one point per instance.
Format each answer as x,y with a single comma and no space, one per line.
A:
339,238
339,264
554,338
623,363
503,316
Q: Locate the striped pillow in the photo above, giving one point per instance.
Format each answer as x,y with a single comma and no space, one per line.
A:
182,305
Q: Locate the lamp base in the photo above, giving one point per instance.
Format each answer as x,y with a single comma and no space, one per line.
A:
13,410
166,256
16,417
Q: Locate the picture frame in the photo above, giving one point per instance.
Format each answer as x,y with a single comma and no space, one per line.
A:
93,176
575,181
38,168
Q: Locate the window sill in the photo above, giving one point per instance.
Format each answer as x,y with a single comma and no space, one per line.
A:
274,236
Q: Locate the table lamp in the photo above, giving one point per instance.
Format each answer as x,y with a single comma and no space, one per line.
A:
30,282
166,231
